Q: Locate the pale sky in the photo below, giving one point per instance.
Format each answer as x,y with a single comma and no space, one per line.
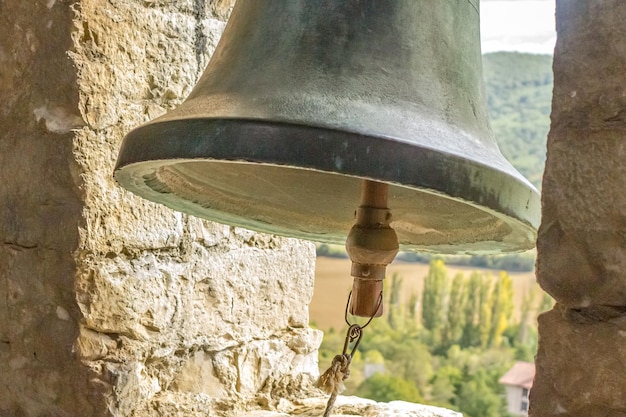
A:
517,25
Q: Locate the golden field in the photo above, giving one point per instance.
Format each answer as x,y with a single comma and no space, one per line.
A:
333,284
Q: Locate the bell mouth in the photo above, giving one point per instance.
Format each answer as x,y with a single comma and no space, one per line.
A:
447,206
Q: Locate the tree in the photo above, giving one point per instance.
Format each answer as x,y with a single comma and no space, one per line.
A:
443,386
477,399
394,306
433,299
519,93
332,345
412,306
484,312
456,306
374,356
411,360
501,308
385,388
471,335
396,289
525,317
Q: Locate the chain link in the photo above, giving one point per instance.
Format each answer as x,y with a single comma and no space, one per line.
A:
332,380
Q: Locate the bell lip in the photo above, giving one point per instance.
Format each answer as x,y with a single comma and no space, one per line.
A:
161,143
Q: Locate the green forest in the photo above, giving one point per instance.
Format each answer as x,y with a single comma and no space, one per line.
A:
448,346
519,98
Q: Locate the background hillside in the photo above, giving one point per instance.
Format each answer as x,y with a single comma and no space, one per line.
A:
519,96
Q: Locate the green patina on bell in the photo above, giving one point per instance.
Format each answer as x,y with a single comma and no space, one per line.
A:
303,100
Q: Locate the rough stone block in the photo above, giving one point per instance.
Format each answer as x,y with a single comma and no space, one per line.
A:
581,247
580,364
581,243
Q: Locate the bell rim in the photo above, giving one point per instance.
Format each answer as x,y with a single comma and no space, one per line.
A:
168,142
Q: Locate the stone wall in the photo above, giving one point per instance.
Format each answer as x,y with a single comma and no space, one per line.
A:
40,206
581,363
110,305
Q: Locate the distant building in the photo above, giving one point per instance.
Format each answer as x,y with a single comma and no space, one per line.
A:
518,381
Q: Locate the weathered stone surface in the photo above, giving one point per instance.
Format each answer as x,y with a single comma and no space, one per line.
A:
202,314
581,259
581,246
580,366
354,406
40,213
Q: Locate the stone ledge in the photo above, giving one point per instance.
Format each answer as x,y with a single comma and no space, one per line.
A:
355,406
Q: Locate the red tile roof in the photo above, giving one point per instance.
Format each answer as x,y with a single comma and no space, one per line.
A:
520,375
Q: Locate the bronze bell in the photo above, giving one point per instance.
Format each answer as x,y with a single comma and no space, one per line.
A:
306,103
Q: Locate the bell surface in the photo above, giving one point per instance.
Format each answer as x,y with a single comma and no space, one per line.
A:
302,100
